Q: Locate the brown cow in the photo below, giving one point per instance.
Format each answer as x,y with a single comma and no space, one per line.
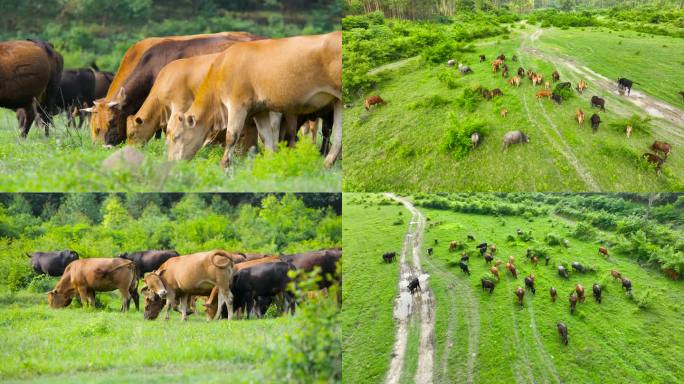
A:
603,251
553,293
138,71
498,262
373,100
87,276
661,146
671,274
495,65
555,76
495,272
563,332
537,79
488,258
534,260
504,112
195,274
251,80
30,73
655,160
514,81
529,283
520,293
579,116
573,302
616,275
581,86
579,288
628,131
492,248
453,246
512,270
543,93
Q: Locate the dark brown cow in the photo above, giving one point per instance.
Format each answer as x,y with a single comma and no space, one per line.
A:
563,332
553,293
661,146
486,284
596,289
573,302
555,76
512,270
327,260
598,102
148,261
603,251
521,71
655,160
595,121
626,284
616,275
579,288
484,58
520,293
529,283
488,258
30,72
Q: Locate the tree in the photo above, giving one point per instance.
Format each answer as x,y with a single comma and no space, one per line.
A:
114,215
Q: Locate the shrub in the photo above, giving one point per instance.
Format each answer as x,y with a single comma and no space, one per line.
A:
457,138
640,125
40,284
564,93
430,102
642,298
440,52
448,77
583,231
469,99
552,239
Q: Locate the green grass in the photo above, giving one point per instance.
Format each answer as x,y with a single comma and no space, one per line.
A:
83,345
68,161
370,286
396,146
612,342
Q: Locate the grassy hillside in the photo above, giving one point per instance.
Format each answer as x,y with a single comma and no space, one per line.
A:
400,146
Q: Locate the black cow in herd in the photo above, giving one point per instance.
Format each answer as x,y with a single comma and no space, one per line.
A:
52,263
624,83
78,89
148,261
262,280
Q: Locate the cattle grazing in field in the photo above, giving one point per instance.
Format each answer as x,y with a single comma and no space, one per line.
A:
488,258
514,58
547,85
521,71
595,121
262,280
579,288
553,293
486,94
573,302
496,92
495,65
661,146
511,268
628,131
495,271
562,272
603,251
464,267
326,261
537,79
504,112
596,289
464,69
520,293
78,88
581,86
464,257
471,238
148,261
543,93
87,276
530,74
52,263
482,247
529,283
514,81
504,72
555,76
451,63
486,284
624,83
563,332
414,285
598,102
475,139
626,284
514,137
577,266
30,72
429,251
557,98
534,260
492,248
616,275
482,58
388,257
453,245
655,160
373,100
501,57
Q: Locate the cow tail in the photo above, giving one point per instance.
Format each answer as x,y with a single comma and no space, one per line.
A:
222,254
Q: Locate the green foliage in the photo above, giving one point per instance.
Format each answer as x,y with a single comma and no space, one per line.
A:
457,140
447,77
430,103
640,125
440,53
552,239
469,98
564,93
583,231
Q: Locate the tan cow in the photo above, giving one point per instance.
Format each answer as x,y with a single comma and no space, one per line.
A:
294,76
514,81
579,116
196,274
87,276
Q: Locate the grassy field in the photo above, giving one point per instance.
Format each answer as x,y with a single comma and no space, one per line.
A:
68,161
398,146
82,345
616,341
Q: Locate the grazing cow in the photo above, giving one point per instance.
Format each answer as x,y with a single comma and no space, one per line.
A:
628,131
616,275
464,267
475,139
429,251
512,270
597,292
603,251
529,283
486,284
514,81
498,262
471,238
87,276
547,258
496,92
543,93
579,288
137,74
521,71
501,57
327,260
481,246
495,272
534,260
514,58
488,258
388,257
254,79
504,72
464,69
626,284
30,72
482,58
530,74
537,79
464,257
52,263
573,302
496,64
595,121
577,266
195,274
413,285
514,137
581,86
261,280
148,261
453,245
553,293
511,259
562,272
598,102
492,248
504,112
555,76
76,90
373,100
655,160
451,63
520,293
563,332
486,94
547,85
624,83
661,146
557,98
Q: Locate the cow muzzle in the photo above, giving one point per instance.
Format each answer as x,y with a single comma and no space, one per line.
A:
162,293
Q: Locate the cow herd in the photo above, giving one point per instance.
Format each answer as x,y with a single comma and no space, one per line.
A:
231,284
229,88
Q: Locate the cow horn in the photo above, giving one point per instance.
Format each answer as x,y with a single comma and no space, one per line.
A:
112,103
88,110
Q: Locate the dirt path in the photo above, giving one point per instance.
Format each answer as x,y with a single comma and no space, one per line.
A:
390,66
405,304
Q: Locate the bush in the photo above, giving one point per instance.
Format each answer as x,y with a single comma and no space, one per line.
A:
642,298
457,138
41,284
440,53
430,102
640,125
583,231
448,77
552,239
564,92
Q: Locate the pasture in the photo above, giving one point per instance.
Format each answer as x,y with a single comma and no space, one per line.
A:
408,143
483,338
68,161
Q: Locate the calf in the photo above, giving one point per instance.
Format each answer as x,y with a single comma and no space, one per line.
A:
553,293
87,276
52,263
529,283
464,267
486,284
597,292
661,146
563,332
624,83
373,100
388,257
148,261
598,102
655,160
581,86
595,121
626,284
520,293
413,285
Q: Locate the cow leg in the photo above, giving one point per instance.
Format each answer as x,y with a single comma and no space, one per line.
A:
43,117
336,136
291,129
170,301
183,303
25,116
126,297
268,130
313,128
225,298
83,294
236,122
91,298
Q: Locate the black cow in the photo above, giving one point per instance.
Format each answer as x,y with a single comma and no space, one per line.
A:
78,89
326,259
626,284
482,246
598,102
486,284
597,292
471,238
413,285
521,71
464,267
388,257
529,283
148,261
482,58
595,121
465,257
52,263
262,280
556,97
562,272
625,83
563,332
577,267
429,250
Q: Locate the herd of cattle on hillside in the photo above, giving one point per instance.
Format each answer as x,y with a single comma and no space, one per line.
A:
229,88
239,284
537,79
493,267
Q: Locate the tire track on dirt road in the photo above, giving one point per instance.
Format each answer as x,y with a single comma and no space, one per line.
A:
521,352
413,241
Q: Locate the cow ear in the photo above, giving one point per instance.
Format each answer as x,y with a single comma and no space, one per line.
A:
191,121
144,289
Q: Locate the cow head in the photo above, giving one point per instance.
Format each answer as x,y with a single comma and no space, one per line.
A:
58,299
124,256
107,121
153,304
155,285
185,135
70,255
